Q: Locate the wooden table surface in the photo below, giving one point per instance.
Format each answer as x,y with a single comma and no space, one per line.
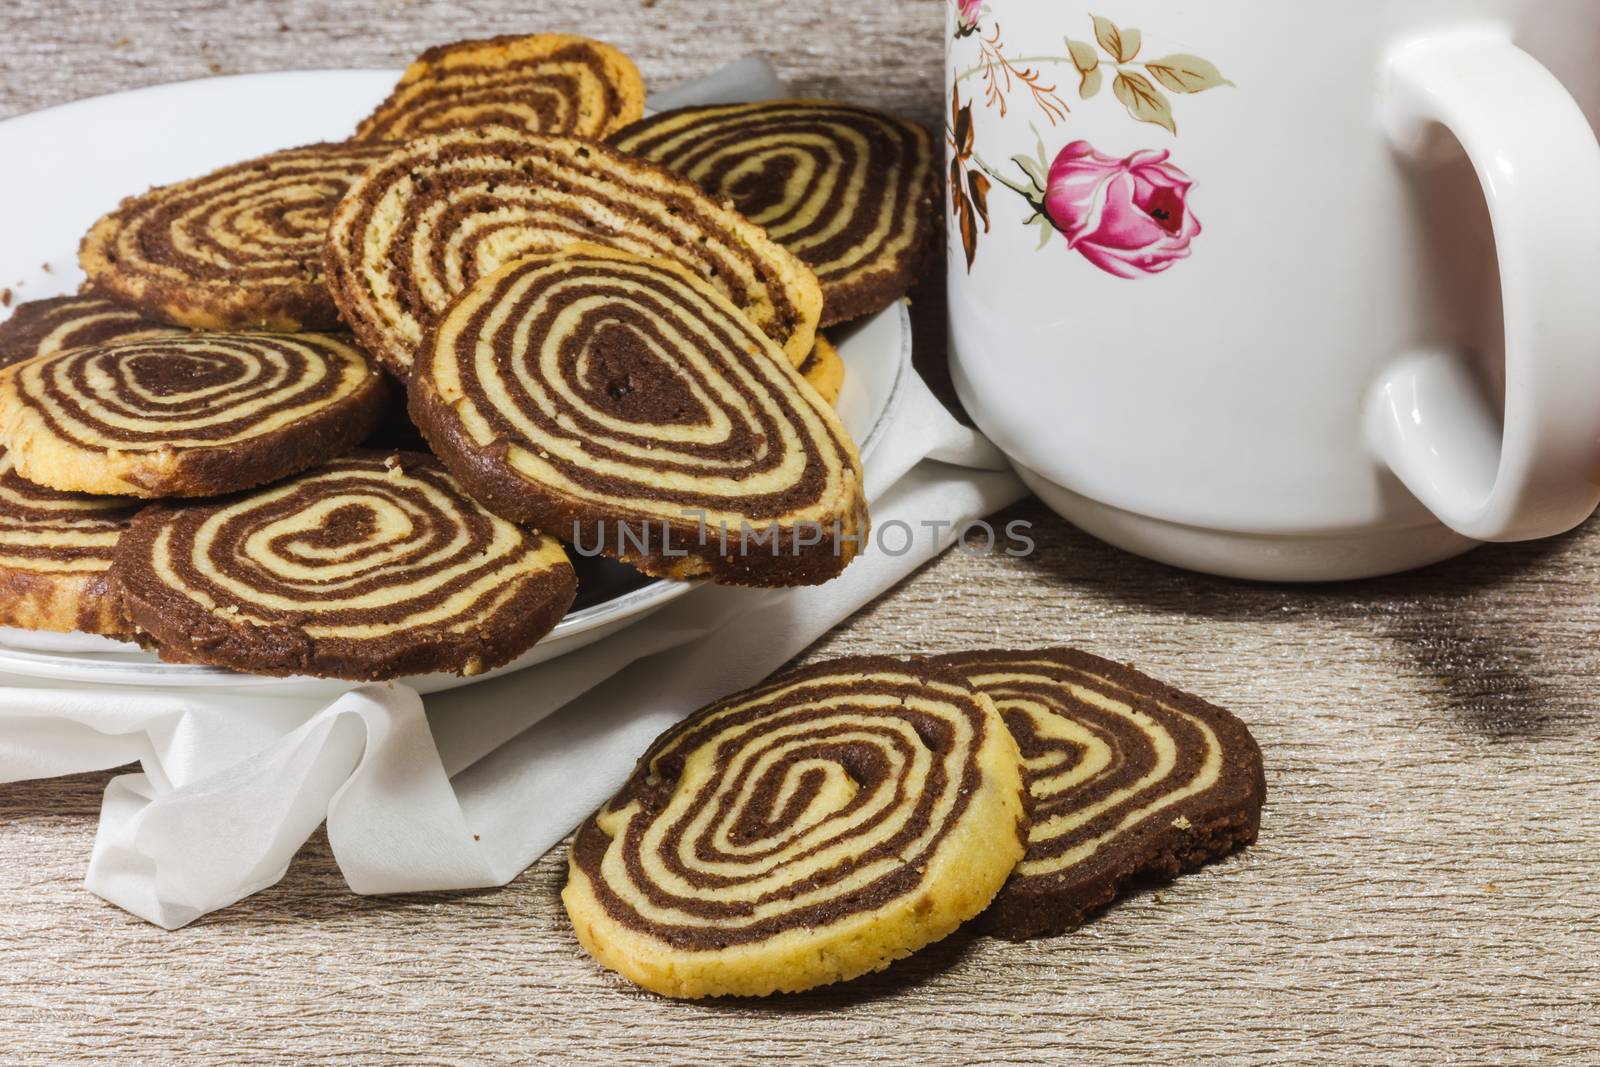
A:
1426,887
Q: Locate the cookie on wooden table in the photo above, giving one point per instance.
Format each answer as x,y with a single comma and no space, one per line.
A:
373,566
626,405
55,555
195,414
807,831
850,190
40,327
442,211
238,249
824,369
542,83
1128,778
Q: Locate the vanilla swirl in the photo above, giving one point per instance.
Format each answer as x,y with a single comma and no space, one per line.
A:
1119,767
40,327
848,189
367,567
544,83
594,390
86,413
240,248
55,551
855,800
438,213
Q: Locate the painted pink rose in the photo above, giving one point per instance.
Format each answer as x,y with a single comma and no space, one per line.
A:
1129,217
967,12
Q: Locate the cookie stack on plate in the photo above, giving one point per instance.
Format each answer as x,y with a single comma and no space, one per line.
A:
837,818
333,411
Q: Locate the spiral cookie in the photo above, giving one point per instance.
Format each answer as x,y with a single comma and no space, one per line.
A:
807,831
1128,777
544,83
824,370
239,249
55,552
191,415
442,211
627,406
849,190
40,327
373,566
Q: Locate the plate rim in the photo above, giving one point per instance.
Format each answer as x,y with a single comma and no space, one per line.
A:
209,79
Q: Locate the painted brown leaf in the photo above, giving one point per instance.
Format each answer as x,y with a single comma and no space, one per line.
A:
967,220
1123,45
963,132
1143,100
1186,74
979,184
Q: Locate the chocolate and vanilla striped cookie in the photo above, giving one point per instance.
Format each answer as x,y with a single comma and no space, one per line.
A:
850,190
810,830
542,83
238,249
373,566
1128,778
194,414
627,406
40,327
442,211
824,370
55,554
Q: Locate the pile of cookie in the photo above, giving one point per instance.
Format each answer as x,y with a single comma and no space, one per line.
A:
837,818
334,411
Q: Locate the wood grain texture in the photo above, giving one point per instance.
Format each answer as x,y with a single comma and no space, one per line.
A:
1425,888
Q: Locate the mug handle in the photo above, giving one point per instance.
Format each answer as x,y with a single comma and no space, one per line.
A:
1534,472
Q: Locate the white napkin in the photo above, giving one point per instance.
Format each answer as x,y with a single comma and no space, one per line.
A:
468,791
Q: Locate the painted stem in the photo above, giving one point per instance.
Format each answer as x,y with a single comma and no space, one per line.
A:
1033,195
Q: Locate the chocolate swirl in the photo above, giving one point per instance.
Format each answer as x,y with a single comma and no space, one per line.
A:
848,189
40,327
373,566
188,415
626,405
240,248
543,83
1128,777
55,553
819,825
440,212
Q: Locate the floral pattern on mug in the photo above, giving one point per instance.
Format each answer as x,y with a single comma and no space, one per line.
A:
1114,56
967,13
1129,217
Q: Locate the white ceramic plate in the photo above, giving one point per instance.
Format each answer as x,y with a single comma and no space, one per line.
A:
70,164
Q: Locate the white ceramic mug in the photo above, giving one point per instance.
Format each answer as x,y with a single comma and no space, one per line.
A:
1282,290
